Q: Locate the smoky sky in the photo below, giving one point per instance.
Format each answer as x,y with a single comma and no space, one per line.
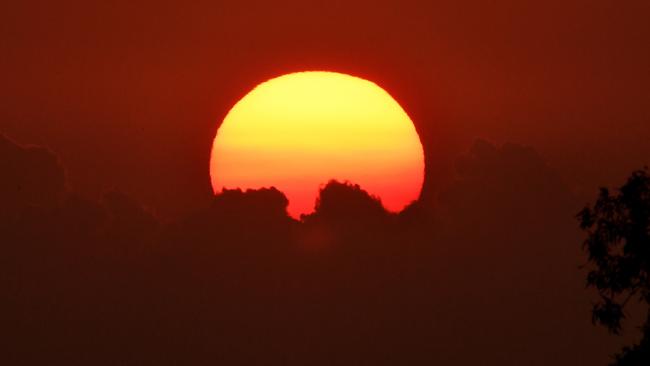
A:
130,94
116,252
489,275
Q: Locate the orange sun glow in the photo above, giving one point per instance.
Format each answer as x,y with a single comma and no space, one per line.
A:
298,131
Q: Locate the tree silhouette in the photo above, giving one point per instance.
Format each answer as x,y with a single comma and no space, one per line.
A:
618,245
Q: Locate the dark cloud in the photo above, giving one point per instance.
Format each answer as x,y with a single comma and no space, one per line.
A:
487,276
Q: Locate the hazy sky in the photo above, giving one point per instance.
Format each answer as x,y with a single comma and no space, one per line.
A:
130,93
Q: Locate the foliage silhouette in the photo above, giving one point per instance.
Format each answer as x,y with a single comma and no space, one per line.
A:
239,282
618,246
346,208
31,177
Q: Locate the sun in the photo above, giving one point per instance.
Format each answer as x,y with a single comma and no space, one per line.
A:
298,131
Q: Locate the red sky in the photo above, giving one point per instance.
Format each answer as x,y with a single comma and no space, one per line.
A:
130,93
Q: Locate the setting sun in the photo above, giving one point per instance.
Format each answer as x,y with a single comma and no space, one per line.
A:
298,131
